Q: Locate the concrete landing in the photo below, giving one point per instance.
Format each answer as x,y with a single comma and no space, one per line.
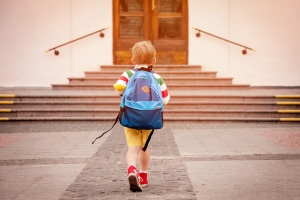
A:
188,161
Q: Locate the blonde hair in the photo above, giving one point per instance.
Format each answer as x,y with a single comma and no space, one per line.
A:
143,52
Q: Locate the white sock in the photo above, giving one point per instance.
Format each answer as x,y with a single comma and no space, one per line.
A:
141,171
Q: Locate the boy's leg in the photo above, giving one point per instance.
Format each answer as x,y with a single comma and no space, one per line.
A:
144,155
144,163
144,159
132,155
133,138
133,141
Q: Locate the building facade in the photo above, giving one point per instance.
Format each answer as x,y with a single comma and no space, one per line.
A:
30,27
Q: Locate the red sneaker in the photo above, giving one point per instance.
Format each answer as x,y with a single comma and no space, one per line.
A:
133,179
143,178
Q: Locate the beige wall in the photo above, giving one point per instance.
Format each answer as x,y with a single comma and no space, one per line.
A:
29,27
269,26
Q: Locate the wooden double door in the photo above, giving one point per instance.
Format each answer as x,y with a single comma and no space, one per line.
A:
163,22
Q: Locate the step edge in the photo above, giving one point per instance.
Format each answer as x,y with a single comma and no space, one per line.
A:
169,85
165,119
173,96
166,111
167,78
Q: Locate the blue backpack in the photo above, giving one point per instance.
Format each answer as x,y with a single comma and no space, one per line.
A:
141,105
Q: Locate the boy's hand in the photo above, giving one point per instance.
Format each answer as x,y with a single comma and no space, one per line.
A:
119,87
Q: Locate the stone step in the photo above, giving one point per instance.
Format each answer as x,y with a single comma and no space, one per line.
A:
166,119
171,105
208,81
236,98
184,98
170,87
164,74
63,98
156,68
167,113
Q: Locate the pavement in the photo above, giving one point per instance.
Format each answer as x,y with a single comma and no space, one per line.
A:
205,160
57,160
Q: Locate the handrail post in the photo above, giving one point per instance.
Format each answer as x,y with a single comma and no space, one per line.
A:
57,52
243,52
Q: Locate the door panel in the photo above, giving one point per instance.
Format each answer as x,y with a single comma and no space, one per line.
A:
171,45
163,22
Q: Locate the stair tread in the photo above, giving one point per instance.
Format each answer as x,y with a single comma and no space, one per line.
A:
114,95
156,65
170,103
252,90
160,72
113,118
165,119
170,84
169,110
182,78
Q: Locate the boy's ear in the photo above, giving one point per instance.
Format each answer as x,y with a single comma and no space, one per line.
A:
154,61
133,62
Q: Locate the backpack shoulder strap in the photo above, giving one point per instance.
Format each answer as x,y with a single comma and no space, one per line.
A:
148,140
107,130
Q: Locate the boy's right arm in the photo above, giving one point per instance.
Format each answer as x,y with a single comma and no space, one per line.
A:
121,83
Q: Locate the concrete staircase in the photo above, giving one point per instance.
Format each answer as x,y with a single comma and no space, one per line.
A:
196,96
177,77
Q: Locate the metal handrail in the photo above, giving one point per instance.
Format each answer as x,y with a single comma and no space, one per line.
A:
244,51
57,52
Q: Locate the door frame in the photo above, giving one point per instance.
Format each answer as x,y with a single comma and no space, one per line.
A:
151,23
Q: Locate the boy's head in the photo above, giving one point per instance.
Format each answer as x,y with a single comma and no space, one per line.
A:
143,53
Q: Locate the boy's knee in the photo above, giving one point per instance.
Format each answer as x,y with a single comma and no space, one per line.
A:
134,148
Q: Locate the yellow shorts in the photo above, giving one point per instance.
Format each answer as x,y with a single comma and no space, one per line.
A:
136,137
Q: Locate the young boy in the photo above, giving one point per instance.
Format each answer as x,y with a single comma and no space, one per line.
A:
143,55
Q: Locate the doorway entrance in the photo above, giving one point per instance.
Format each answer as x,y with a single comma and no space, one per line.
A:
163,22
